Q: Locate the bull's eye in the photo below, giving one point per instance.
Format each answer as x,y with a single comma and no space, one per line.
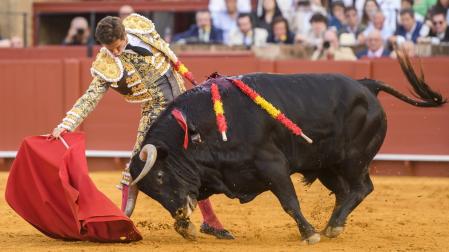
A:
159,177
196,138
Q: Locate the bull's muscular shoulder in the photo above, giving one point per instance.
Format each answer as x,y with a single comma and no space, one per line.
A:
138,24
107,67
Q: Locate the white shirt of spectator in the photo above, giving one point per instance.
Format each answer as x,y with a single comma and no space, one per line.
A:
220,5
223,21
375,54
390,8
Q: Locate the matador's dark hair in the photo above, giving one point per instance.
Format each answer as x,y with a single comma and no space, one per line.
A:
109,29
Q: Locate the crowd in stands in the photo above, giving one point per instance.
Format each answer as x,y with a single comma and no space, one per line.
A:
332,27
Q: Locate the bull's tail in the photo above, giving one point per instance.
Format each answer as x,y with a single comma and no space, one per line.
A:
429,97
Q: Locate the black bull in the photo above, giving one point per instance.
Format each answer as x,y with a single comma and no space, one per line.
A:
343,117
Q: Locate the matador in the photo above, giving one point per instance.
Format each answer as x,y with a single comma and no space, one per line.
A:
136,62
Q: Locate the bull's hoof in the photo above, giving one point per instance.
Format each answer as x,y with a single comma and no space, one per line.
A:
315,238
219,233
186,229
332,232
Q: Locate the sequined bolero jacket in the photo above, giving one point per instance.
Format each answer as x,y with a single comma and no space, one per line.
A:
130,74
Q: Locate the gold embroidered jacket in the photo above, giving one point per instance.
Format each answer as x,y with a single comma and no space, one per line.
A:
131,75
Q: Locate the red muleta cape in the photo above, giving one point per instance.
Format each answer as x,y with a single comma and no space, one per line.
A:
49,186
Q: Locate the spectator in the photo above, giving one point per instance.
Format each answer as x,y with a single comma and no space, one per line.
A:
350,31
375,46
201,32
16,42
337,19
440,6
78,33
314,37
125,11
301,15
243,6
378,23
421,7
409,30
281,33
285,8
390,8
330,49
439,31
247,34
226,20
408,4
270,11
369,9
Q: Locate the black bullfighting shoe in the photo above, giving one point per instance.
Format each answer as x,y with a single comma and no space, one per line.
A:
219,233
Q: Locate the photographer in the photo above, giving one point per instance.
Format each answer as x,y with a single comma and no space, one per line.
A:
330,49
78,33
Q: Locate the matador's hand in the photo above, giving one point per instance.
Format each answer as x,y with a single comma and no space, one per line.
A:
57,132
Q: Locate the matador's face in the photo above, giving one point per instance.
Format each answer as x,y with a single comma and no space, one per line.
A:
117,47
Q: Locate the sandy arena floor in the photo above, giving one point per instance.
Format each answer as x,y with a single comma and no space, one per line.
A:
402,214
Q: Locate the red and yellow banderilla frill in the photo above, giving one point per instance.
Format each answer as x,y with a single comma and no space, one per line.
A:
259,100
219,111
182,69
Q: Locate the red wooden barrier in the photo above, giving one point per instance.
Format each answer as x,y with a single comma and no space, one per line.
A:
412,129
36,93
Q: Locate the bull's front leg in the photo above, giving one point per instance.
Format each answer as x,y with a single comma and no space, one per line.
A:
272,166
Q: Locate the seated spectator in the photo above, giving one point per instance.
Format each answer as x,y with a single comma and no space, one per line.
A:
270,11
281,33
369,9
226,20
408,4
409,30
247,34
375,47
390,8
16,42
351,30
124,11
439,31
314,37
304,10
285,6
421,7
78,33
378,23
243,6
201,32
330,49
337,19
440,6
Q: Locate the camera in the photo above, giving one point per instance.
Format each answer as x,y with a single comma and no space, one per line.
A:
80,32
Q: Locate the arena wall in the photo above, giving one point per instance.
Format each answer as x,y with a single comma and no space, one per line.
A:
38,85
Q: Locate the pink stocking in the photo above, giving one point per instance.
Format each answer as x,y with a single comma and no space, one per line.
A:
209,216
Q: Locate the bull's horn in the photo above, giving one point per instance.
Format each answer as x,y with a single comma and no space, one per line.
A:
131,200
148,154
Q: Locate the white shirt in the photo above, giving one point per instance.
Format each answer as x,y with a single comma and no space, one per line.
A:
220,5
375,54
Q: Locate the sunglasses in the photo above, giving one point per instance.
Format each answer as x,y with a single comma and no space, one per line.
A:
438,22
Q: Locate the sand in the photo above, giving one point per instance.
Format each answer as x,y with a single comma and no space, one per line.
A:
402,214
